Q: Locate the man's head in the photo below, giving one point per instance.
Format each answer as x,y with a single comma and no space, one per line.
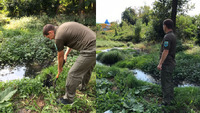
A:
168,25
49,31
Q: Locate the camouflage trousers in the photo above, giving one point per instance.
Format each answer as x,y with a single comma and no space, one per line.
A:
167,83
80,73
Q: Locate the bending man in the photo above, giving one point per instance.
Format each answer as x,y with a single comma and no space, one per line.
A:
79,37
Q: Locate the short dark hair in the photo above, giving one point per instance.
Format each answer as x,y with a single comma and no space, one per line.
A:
169,23
47,28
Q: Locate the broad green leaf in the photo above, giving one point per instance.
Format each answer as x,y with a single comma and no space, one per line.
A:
5,104
137,92
7,94
138,107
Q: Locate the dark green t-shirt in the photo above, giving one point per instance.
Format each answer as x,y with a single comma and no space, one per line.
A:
75,36
169,43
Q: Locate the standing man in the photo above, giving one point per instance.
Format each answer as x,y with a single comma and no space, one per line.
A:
79,37
167,62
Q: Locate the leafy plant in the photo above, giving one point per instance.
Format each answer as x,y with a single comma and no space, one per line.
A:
5,96
110,57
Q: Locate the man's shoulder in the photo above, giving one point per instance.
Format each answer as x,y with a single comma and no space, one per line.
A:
170,36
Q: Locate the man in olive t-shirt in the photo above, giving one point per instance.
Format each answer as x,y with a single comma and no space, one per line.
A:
167,62
79,37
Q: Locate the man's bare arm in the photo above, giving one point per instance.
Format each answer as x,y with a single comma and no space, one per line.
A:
60,60
66,53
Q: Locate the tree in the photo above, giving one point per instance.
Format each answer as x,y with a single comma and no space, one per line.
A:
163,10
144,14
138,27
186,28
129,15
174,12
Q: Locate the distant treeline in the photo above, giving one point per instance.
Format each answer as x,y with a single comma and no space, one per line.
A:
50,7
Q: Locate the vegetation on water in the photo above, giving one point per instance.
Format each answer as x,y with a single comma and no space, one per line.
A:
38,94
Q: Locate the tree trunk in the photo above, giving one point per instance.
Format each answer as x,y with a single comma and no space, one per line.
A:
57,4
81,8
73,2
174,12
94,7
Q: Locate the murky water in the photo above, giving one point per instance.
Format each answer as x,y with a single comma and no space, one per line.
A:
29,70
8,73
140,75
106,50
11,73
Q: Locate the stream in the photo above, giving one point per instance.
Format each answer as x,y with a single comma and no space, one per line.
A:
140,75
8,73
11,73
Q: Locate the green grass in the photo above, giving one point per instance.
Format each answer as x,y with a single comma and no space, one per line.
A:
108,44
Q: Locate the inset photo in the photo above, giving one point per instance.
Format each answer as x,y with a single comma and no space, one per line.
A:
148,56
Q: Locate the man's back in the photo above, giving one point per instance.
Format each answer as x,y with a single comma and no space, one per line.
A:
75,36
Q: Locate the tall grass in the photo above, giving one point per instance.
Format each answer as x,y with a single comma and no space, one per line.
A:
109,44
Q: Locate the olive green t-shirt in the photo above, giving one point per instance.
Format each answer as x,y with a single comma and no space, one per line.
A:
169,43
75,36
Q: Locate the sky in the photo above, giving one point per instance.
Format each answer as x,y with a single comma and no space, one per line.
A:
112,9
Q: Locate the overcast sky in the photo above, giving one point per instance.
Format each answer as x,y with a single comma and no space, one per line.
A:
112,9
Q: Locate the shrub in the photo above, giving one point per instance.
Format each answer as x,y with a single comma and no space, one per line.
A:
105,72
110,57
132,82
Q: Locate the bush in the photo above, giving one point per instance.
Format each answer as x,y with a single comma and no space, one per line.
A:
132,82
27,87
180,47
110,57
105,72
3,19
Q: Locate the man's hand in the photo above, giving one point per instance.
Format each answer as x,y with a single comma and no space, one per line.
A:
159,67
162,59
59,71
65,58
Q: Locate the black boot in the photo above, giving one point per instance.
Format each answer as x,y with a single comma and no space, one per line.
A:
64,101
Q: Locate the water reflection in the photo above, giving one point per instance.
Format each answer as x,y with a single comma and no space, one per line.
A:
140,75
11,73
